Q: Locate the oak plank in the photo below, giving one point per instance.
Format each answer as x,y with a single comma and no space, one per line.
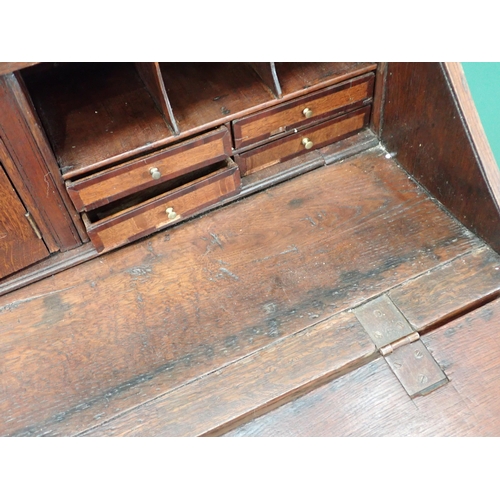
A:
449,290
370,401
88,344
278,372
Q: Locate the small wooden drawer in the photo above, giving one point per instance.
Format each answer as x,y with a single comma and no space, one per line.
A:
304,111
125,179
165,209
307,140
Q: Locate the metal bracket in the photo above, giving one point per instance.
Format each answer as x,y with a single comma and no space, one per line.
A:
401,347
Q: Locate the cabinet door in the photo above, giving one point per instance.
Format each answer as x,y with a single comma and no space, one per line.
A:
19,243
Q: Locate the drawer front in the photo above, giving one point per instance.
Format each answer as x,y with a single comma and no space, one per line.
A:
304,111
164,210
307,140
115,183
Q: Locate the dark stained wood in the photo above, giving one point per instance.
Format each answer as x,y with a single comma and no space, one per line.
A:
55,224
95,113
242,390
151,76
31,117
296,77
370,401
56,263
449,290
337,151
292,145
267,72
377,117
350,146
87,344
19,244
10,67
210,93
423,124
170,208
115,183
283,118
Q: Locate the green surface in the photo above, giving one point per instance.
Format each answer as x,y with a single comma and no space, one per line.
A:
484,84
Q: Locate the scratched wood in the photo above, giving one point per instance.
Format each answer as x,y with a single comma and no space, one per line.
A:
371,402
449,290
87,344
243,389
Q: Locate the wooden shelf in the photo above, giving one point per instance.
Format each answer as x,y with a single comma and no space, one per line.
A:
297,77
95,114
212,93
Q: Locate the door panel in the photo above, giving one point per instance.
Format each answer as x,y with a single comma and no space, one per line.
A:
19,244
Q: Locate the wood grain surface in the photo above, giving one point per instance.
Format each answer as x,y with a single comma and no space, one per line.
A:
252,385
26,156
371,402
153,215
85,345
19,245
425,127
283,118
206,93
267,72
95,114
114,183
450,289
295,77
292,145
151,76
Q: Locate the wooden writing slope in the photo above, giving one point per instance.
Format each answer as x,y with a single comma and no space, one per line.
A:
243,249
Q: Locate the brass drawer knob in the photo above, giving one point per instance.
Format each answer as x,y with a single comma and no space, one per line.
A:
170,212
155,173
307,112
307,143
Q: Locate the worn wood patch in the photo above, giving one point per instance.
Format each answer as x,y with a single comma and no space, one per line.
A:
450,289
90,343
250,386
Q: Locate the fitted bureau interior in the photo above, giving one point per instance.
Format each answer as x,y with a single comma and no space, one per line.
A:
130,136
322,187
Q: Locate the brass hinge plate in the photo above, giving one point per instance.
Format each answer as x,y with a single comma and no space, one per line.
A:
416,369
383,321
404,352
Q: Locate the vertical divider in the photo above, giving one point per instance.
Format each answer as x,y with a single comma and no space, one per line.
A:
151,76
267,72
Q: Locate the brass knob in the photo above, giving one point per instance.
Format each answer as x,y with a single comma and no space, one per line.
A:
170,212
155,173
307,112
307,143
